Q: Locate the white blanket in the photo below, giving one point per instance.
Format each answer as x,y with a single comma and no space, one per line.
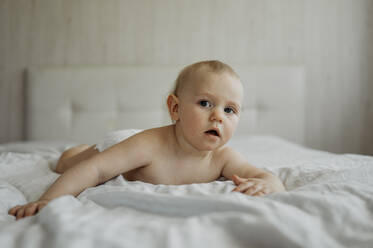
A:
329,203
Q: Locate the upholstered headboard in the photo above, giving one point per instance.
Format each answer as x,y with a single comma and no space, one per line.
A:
83,103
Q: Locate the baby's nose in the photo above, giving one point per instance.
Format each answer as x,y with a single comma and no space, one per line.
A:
216,116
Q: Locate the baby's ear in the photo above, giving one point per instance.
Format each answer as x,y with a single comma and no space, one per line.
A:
173,107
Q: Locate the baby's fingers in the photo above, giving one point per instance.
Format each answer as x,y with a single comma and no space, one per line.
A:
262,192
253,189
14,210
243,187
20,213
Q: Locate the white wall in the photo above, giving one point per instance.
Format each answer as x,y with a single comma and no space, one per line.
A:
332,38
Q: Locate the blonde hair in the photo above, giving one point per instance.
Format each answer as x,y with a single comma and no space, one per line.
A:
215,66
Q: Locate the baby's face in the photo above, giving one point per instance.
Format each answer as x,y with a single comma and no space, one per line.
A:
209,109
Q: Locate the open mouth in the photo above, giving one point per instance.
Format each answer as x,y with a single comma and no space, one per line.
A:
212,132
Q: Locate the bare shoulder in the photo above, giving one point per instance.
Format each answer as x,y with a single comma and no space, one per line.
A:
227,154
223,156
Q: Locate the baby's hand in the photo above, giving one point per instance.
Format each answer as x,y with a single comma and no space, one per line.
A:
29,209
254,186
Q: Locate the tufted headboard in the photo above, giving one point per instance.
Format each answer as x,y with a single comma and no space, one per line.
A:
82,103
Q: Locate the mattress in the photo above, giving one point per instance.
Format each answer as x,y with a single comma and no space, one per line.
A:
328,203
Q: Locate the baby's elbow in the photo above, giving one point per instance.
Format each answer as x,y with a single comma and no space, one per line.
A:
98,175
102,176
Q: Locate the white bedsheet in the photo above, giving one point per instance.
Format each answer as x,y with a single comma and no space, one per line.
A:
329,203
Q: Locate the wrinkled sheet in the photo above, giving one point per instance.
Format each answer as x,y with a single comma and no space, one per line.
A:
329,203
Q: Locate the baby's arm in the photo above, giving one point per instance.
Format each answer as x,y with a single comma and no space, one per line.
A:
125,156
249,179
73,181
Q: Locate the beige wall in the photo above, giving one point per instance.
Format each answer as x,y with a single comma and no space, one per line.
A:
332,38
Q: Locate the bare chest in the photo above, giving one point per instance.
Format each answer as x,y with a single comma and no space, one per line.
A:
176,172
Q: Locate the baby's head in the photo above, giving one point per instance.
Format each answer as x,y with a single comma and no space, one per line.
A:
206,103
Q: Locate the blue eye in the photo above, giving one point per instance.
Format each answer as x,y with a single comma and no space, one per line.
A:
228,110
205,103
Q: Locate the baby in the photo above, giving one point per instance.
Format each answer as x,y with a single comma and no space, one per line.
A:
205,109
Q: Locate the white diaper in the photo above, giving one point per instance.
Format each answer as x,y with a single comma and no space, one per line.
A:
115,137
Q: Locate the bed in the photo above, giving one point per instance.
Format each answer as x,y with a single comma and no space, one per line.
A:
329,197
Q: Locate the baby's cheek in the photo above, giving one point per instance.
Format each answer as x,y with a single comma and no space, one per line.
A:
193,122
230,128
195,117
